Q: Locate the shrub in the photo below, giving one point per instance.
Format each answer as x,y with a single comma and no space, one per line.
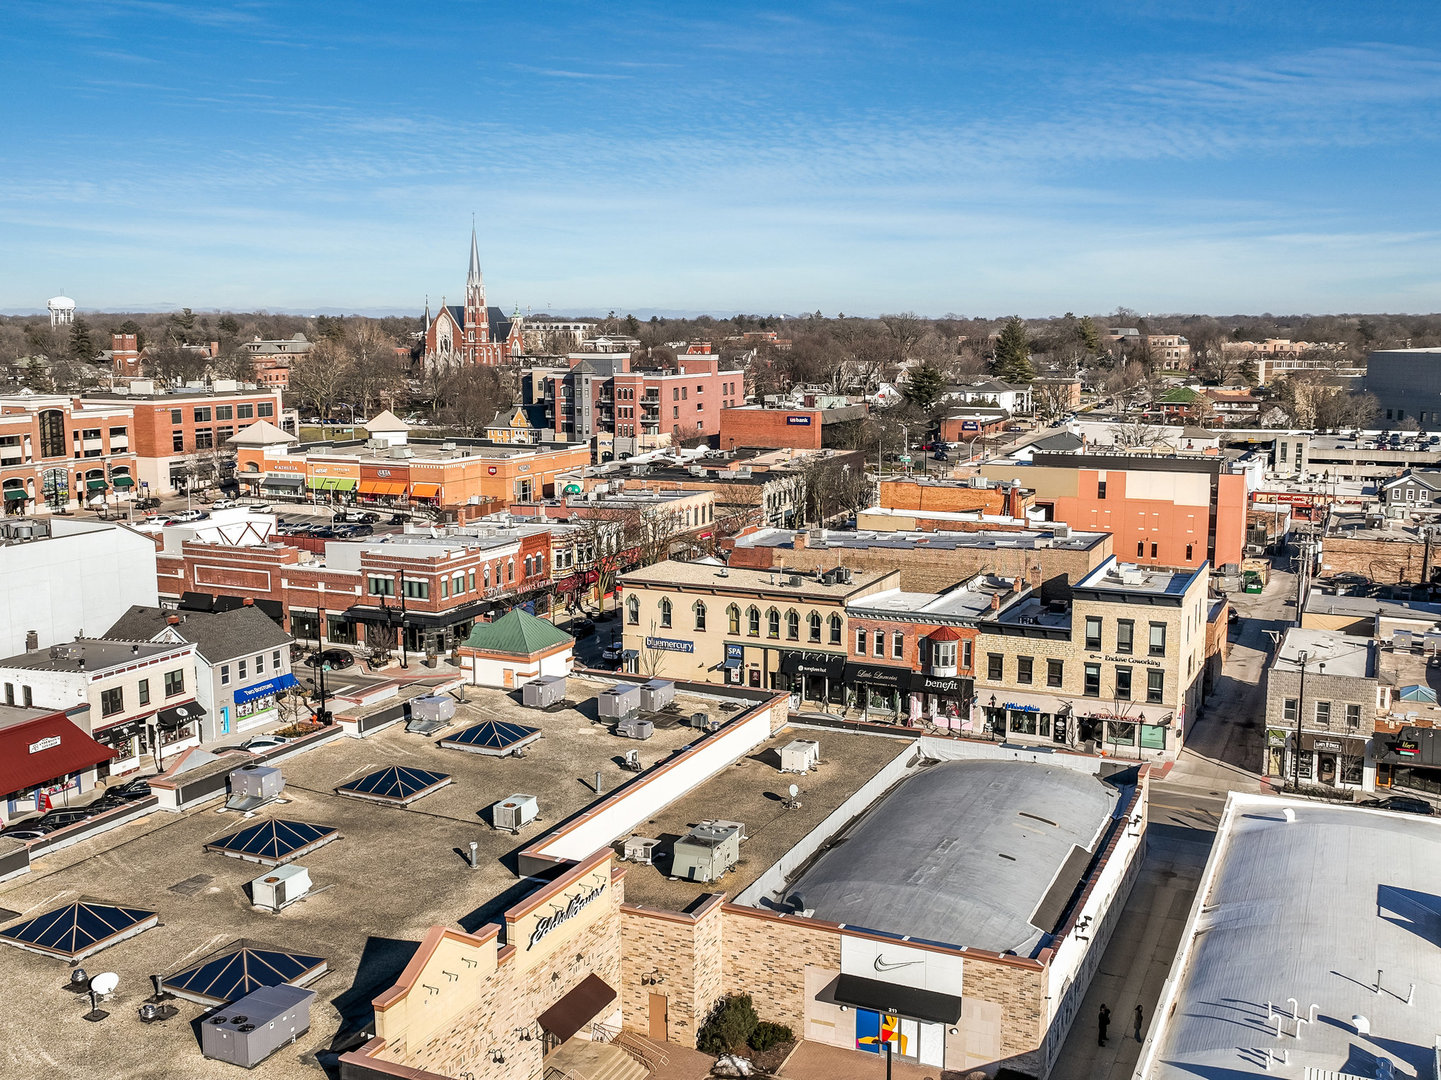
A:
729,1025
767,1035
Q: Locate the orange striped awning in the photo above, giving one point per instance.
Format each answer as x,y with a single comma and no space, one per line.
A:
425,491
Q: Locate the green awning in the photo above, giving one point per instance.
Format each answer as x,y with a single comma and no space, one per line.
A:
320,483
345,483
123,481
96,485
15,493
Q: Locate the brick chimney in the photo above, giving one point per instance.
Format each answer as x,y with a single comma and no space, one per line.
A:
995,601
249,601
173,620
802,535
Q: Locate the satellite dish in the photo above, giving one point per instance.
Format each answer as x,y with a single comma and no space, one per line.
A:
794,791
105,982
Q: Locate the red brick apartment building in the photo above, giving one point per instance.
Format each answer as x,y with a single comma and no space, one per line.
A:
59,454
169,427
362,593
599,396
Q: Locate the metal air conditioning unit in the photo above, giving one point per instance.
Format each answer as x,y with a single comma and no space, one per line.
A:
657,694
708,851
248,1031
640,849
253,786
543,692
429,714
280,888
635,728
800,755
514,813
618,703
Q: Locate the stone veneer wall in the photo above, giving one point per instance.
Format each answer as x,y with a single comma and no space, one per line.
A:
767,958
513,999
1019,990
687,952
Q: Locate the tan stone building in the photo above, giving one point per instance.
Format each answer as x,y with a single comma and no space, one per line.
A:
1119,667
757,628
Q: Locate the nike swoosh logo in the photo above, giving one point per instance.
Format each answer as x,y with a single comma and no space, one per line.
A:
881,964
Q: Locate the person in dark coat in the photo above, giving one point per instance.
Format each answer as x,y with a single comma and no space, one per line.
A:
1103,1022
1140,1029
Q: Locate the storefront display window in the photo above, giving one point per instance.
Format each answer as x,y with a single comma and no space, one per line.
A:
1153,737
1121,733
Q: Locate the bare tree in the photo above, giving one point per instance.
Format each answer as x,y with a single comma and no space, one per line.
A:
1050,401
320,376
468,398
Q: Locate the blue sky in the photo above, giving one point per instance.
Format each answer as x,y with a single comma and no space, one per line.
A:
1222,156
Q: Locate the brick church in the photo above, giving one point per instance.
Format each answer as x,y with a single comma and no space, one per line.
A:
472,333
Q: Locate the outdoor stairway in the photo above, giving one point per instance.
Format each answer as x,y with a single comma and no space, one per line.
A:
582,1060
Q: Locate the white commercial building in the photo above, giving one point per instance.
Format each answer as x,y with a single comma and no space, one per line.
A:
65,578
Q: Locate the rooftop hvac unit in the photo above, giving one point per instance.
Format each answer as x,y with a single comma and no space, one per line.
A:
657,694
794,581
708,851
248,1031
845,575
618,702
280,888
401,452
253,786
1060,531
514,813
543,692
703,721
640,849
431,713
800,755
634,727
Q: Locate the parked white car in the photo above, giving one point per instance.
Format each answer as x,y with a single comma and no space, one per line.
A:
263,742
224,504
260,508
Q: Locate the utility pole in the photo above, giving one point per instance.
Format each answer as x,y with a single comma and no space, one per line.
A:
403,657
1302,658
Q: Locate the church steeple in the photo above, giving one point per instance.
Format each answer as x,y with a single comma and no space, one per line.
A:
477,315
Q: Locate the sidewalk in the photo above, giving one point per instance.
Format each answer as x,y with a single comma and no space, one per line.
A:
1138,957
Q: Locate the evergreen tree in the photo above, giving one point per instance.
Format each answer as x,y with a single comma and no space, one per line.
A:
925,385
81,347
1013,353
36,376
1090,337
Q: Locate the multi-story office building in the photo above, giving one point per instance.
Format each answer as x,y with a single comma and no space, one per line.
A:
60,453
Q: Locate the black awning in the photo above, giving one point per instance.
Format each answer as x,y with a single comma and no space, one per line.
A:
179,715
1414,746
391,615
813,664
908,1001
940,684
879,675
577,1008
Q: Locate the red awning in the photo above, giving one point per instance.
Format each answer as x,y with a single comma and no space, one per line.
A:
47,748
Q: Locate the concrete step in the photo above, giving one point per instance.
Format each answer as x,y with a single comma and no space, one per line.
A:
616,1064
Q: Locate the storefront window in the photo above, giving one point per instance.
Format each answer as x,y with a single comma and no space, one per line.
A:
1121,732
1153,737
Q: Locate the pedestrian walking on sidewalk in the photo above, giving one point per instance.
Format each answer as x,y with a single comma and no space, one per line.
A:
1103,1022
1140,1030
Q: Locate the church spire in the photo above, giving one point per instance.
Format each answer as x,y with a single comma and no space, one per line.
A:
472,277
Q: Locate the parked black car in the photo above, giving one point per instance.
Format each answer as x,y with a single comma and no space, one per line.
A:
148,503
582,628
59,819
367,517
335,659
139,788
1403,804
399,519
26,830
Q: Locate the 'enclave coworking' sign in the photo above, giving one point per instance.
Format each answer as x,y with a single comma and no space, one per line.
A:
548,923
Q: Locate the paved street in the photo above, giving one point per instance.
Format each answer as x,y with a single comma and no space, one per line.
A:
1222,754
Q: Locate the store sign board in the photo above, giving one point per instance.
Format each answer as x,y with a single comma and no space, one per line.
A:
559,915
665,644
45,744
799,421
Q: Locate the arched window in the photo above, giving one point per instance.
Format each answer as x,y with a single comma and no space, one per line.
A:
699,615
733,618
753,621
815,627
509,569
773,623
793,625
632,610
665,612
527,566
52,434
487,575
835,629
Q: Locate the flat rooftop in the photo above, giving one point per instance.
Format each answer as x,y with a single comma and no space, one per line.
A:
394,873
970,601
1114,576
983,854
1342,654
754,792
935,541
1320,602
1311,909
89,654
740,579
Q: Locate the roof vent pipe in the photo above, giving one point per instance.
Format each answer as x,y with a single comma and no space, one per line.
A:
1289,815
